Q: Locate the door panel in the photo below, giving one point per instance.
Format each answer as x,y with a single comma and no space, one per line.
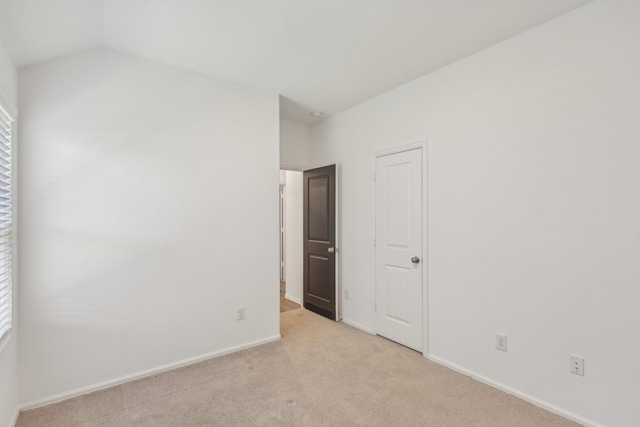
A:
319,241
398,295
398,240
396,179
318,208
318,269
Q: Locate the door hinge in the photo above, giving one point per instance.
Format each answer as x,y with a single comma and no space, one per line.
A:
375,306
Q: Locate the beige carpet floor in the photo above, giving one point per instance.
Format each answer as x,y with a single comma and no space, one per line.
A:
321,373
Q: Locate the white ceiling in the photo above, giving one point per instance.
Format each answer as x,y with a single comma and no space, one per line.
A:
33,31
322,55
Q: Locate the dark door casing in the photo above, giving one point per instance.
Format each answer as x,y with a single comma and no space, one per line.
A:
319,241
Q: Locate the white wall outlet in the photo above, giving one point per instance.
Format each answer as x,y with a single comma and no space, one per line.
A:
240,313
501,342
346,294
576,365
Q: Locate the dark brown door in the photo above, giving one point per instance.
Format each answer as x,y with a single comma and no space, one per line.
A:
319,241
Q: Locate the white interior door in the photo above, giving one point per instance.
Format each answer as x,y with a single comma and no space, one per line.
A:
399,261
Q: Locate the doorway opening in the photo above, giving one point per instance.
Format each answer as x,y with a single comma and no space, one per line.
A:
291,240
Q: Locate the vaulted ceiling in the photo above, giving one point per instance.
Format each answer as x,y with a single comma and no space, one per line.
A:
323,55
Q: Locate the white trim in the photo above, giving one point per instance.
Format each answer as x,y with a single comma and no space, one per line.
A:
293,168
8,106
142,374
358,326
283,230
292,299
400,149
9,110
517,393
336,243
425,247
4,340
422,145
16,414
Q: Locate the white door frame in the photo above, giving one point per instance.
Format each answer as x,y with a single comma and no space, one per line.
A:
425,235
283,233
338,243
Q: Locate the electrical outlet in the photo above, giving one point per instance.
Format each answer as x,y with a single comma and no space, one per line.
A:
501,342
240,313
576,365
346,294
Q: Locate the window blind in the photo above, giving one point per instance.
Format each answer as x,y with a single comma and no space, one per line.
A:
6,214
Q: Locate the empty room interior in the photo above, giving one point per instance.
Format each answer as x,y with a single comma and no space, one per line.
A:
458,214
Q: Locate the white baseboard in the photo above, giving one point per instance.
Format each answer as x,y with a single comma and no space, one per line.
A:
126,378
503,387
293,299
358,326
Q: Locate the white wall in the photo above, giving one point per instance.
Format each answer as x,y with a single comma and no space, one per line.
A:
8,345
294,237
295,145
533,207
136,246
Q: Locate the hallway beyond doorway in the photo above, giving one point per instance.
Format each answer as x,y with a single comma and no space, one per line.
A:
285,304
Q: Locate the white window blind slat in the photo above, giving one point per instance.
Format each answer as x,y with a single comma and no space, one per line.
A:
5,314
4,135
6,228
